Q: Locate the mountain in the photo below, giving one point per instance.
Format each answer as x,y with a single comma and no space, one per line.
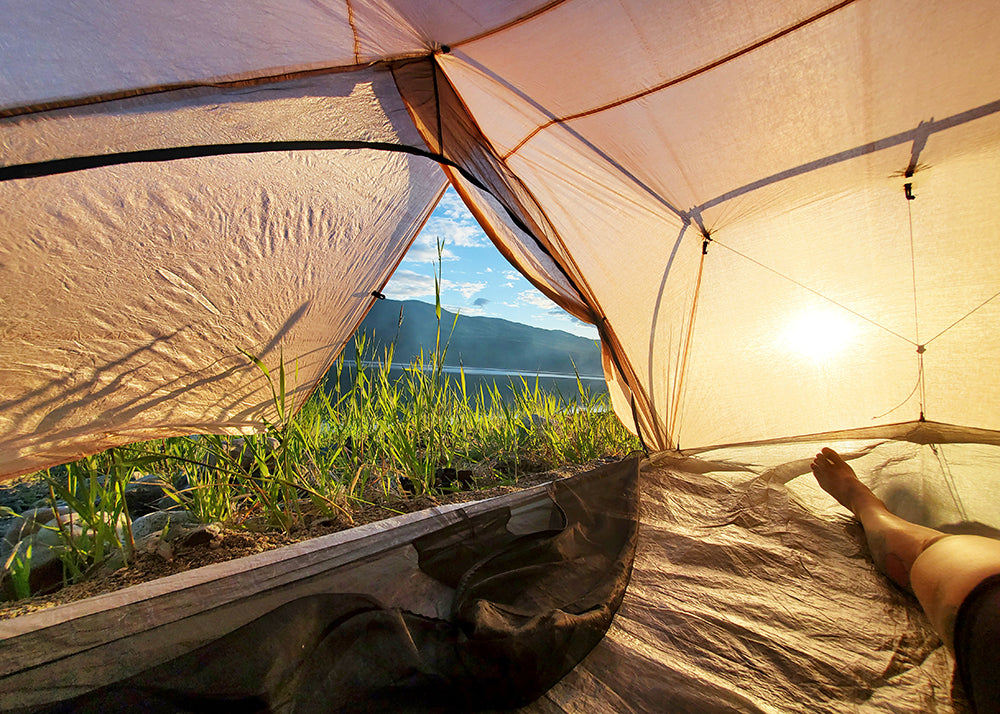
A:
486,342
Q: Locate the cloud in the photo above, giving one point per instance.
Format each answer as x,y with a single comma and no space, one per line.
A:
530,297
481,302
406,285
427,253
464,234
512,275
452,205
467,289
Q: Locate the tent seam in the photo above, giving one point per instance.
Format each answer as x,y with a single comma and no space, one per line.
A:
684,77
354,32
512,23
109,97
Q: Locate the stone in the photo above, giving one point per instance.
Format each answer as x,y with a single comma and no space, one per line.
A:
142,494
31,522
156,521
456,478
198,536
45,573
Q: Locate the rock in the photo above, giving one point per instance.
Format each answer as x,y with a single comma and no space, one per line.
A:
52,538
45,569
142,494
168,503
456,478
156,521
30,522
198,536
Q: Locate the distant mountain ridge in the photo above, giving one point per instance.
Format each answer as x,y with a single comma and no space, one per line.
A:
485,342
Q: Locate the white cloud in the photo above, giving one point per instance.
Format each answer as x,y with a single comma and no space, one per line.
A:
530,297
452,206
467,289
453,232
512,275
407,285
425,253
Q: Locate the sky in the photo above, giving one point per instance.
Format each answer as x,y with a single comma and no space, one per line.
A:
476,280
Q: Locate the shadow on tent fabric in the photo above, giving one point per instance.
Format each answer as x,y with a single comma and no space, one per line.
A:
527,609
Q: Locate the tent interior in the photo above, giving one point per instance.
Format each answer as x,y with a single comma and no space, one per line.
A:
782,219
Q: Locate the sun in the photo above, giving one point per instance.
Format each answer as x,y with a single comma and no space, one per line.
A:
818,333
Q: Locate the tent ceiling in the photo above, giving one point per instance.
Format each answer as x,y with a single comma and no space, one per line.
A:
612,139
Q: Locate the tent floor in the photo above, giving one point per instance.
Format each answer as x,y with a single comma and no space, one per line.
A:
742,599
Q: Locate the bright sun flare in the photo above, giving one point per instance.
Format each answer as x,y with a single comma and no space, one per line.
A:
818,333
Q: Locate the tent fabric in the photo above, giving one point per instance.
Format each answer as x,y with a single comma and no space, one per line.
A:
132,292
785,138
803,199
753,591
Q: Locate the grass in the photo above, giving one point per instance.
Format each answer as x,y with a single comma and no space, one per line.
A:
356,440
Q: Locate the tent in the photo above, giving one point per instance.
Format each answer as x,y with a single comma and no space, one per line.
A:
780,217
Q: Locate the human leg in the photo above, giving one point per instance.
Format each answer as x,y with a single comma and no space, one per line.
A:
956,578
894,542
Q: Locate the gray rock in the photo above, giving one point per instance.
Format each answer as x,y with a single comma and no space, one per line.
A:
52,537
45,569
158,520
198,536
31,522
142,494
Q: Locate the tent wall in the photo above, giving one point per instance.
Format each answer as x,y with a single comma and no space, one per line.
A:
785,136
781,219
131,291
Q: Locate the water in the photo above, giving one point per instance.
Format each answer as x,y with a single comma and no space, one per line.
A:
506,381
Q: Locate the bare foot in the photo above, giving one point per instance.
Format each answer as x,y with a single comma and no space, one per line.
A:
894,543
839,480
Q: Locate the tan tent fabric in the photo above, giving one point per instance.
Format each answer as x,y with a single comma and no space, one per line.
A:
712,185
784,137
131,292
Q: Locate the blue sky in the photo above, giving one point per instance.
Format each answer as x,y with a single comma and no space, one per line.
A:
476,280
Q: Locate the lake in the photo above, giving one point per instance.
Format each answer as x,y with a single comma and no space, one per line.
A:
506,380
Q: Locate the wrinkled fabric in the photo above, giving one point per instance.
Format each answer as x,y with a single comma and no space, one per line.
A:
753,591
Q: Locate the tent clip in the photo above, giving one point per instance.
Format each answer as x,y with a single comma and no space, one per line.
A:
921,349
908,190
377,295
704,244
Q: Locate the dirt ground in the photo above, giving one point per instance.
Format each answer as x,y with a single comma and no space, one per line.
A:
230,544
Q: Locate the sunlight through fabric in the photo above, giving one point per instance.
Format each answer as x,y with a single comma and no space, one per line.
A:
818,333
